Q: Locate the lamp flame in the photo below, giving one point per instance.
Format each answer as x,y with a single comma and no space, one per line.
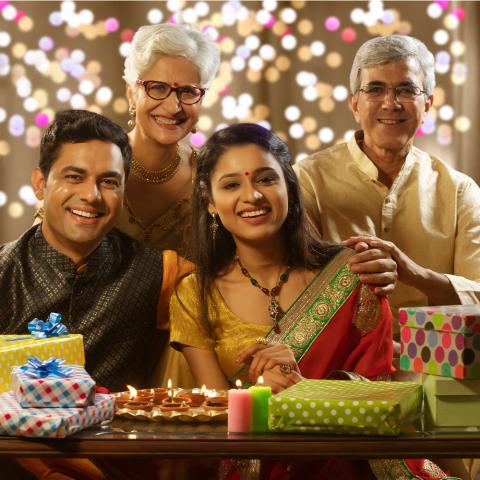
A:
260,380
238,383
203,389
133,392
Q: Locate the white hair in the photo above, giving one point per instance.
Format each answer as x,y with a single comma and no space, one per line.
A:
393,48
171,40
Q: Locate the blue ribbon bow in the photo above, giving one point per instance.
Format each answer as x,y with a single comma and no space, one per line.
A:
52,367
53,327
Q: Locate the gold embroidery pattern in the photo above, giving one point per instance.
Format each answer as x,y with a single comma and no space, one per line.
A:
314,309
248,468
367,311
389,469
392,469
432,469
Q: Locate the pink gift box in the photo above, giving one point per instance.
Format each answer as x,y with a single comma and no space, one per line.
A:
441,340
51,422
76,390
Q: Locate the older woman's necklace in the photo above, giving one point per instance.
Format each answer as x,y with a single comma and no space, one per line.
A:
274,309
156,176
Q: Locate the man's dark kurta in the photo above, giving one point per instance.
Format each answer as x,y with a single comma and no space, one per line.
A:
112,302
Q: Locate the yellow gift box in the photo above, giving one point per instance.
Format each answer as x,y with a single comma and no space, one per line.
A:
14,353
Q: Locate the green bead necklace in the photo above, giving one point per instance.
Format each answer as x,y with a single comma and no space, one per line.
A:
274,309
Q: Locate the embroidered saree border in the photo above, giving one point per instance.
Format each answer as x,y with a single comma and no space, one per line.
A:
310,314
393,469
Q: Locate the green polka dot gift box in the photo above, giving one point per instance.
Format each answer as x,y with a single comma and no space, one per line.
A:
345,407
441,341
15,350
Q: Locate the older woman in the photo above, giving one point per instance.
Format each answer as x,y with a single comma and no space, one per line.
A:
423,212
167,72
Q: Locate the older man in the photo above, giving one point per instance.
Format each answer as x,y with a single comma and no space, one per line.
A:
381,189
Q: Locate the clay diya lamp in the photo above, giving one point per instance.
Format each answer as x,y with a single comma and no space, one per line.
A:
144,395
174,404
195,396
146,406
159,394
121,399
216,403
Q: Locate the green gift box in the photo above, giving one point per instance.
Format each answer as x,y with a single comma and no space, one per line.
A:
450,402
345,407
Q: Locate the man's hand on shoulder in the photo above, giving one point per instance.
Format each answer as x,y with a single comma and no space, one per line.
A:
436,286
374,266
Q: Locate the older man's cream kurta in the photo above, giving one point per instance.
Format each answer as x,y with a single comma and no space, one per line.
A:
431,212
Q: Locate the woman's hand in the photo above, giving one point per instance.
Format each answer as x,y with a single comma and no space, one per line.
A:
278,380
374,264
264,357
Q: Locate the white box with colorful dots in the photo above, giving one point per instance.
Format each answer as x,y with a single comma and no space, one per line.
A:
442,340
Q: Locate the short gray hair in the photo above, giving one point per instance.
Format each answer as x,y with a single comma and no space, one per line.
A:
393,48
171,40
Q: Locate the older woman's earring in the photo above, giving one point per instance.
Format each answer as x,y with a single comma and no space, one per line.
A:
193,131
132,114
214,226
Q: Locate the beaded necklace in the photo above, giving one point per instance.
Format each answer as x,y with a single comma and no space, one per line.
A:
274,309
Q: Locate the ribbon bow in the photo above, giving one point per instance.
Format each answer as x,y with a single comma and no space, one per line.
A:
53,327
49,368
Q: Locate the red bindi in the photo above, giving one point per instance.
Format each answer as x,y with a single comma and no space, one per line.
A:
247,174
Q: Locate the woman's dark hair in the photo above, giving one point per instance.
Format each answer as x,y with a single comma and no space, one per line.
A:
214,256
78,126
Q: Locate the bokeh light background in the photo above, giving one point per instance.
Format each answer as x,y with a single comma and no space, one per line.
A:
284,64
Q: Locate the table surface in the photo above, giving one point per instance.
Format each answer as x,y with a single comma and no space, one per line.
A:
132,438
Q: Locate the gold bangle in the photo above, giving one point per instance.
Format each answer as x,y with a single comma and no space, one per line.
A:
261,341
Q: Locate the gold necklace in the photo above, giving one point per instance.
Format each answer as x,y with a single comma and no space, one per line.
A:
156,176
274,309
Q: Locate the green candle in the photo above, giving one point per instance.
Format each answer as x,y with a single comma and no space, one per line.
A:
260,396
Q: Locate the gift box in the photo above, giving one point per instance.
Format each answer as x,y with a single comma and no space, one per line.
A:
51,422
345,407
450,402
441,340
15,350
63,385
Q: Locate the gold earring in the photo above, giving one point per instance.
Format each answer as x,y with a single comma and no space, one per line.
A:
132,114
194,131
214,226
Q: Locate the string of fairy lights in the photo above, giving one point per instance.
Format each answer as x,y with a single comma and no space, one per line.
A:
261,43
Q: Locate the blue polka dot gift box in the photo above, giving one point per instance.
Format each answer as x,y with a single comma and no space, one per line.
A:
345,407
442,340
51,422
52,384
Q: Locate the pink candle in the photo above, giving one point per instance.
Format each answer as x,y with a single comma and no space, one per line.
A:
239,409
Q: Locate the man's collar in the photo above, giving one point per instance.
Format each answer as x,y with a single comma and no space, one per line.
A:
364,163
102,255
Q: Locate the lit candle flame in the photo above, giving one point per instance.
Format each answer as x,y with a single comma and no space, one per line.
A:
238,383
260,380
133,392
169,384
203,389
152,391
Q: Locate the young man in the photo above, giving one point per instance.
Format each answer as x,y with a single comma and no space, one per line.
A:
105,284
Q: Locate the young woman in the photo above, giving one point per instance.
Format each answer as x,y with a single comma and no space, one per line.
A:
266,292
268,298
